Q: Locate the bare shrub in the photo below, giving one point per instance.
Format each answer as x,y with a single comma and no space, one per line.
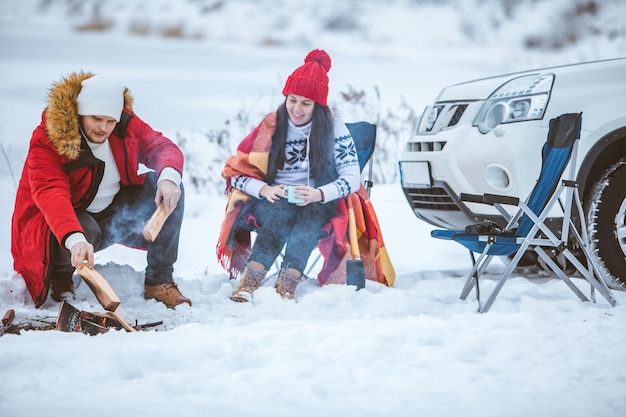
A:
95,25
341,23
270,41
175,30
139,28
5,154
212,7
393,128
205,155
574,24
96,22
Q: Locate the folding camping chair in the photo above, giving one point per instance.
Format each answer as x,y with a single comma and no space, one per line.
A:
526,228
364,136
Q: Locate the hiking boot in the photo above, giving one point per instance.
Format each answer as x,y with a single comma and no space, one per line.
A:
250,281
63,289
287,282
168,294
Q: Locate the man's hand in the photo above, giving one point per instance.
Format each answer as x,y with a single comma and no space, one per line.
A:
82,254
167,194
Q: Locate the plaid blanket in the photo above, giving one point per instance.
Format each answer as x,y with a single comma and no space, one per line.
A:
234,241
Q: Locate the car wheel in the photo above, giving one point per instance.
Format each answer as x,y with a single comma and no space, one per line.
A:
606,220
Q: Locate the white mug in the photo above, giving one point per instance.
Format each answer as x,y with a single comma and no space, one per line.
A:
290,194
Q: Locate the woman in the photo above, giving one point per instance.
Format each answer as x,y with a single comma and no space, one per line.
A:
300,144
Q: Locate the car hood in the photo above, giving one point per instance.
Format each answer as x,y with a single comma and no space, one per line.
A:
481,89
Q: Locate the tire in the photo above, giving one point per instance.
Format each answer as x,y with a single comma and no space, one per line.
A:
606,222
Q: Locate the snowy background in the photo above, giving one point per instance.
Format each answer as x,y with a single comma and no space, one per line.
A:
204,72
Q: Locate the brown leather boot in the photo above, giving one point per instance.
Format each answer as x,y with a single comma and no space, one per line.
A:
63,289
249,282
168,294
287,282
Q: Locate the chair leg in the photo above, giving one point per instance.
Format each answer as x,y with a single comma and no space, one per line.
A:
312,265
478,266
275,270
591,261
559,272
505,275
592,275
475,277
592,272
471,280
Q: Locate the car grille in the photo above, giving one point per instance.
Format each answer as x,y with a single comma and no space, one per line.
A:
434,198
441,117
460,109
425,146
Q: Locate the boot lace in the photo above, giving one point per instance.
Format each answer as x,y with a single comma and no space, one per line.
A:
288,283
252,280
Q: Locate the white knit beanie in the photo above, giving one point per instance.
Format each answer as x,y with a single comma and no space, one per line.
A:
101,96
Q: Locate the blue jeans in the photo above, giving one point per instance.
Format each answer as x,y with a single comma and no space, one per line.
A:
283,223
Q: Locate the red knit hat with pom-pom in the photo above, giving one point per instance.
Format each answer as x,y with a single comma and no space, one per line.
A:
311,79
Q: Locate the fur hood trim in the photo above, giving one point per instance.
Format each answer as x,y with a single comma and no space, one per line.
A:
61,115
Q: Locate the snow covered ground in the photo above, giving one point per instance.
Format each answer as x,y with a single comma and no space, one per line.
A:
414,349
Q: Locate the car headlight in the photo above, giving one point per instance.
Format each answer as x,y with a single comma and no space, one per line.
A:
521,99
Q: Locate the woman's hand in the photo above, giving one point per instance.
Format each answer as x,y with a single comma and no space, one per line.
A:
308,194
272,193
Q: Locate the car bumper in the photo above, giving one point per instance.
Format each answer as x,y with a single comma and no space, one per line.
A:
436,169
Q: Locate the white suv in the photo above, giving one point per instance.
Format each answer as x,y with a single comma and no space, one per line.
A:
485,136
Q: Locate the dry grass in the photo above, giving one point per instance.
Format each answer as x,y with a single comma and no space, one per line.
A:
96,24
174,30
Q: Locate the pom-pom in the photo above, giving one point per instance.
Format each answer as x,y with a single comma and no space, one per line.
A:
320,56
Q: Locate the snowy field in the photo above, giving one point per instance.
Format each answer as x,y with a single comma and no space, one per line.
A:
411,350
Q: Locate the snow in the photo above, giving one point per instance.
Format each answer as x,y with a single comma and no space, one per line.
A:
414,349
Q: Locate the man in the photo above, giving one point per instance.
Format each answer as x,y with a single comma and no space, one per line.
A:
81,190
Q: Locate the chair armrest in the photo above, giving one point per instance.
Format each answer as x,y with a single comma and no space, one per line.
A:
490,199
500,199
472,198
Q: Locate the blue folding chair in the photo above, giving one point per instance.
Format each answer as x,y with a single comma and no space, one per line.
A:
364,136
526,229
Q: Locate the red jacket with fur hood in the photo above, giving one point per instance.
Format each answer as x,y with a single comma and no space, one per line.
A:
61,176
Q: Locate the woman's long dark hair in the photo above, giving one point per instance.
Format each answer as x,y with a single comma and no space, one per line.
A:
321,139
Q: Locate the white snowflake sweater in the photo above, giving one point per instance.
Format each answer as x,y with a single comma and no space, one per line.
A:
296,168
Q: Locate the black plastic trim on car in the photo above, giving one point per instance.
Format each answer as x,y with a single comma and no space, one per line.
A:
456,214
594,153
460,109
441,200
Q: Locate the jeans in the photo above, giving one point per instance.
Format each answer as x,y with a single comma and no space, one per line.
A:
283,223
122,222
